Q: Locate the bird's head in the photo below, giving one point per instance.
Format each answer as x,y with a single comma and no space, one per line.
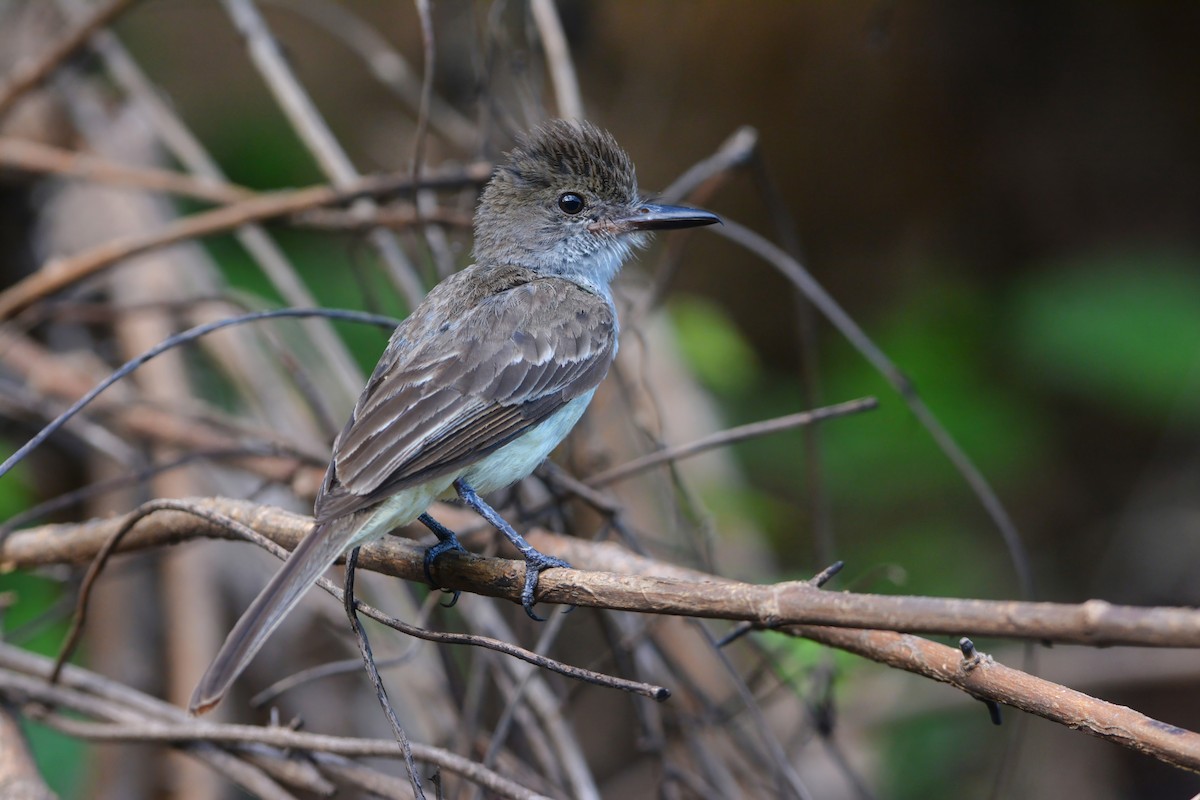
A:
566,202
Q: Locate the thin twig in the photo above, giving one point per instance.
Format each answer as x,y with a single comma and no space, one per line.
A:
730,436
40,69
567,96
386,63
364,647
182,338
315,133
131,723
33,157
62,273
824,302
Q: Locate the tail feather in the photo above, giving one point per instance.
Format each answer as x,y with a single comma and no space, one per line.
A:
315,553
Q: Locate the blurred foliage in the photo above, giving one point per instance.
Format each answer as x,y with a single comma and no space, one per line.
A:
942,755
28,598
1118,331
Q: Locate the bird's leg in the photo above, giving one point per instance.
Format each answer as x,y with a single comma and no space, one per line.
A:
447,541
535,561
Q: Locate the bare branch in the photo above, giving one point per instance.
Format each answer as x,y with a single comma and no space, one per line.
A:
315,133
126,723
730,436
27,156
567,96
791,269
636,583
33,74
985,679
62,273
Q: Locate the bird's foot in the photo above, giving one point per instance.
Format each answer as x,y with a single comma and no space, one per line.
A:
535,563
447,541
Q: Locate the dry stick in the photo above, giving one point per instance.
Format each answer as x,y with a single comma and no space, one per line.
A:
344,372
730,436
986,679
824,302
385,63
97,696
774,606
364,647
663,589
567,96
243,529
33,157
425,15
40,69
131,723
292,740
61,377
62,273
983,678
302,113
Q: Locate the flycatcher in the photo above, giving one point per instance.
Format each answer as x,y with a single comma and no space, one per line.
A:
486,376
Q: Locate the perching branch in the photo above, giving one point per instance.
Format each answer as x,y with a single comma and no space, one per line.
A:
640,584
636,583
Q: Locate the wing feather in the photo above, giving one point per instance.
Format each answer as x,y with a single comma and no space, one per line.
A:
451,391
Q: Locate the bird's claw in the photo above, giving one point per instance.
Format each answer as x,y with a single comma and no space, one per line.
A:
432,554
535,564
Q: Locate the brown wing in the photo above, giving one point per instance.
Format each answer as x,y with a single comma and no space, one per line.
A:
454,390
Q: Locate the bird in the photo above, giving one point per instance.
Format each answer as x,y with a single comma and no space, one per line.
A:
485,377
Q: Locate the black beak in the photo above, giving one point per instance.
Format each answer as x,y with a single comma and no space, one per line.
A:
653,217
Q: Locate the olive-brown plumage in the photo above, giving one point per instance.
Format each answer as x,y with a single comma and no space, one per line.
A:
486,376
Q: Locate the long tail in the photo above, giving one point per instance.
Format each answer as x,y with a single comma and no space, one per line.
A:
315,553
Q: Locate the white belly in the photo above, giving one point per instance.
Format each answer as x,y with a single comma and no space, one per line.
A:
506,466
518,458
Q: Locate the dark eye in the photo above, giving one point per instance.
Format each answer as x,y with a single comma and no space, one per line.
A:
570,203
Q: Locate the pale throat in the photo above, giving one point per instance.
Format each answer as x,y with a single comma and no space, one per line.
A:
592,269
